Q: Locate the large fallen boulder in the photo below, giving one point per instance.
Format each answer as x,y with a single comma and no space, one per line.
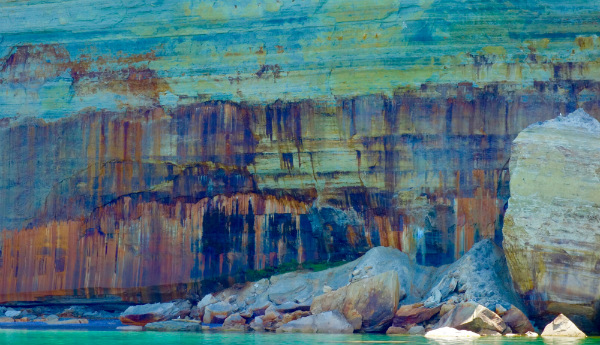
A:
562,327
473,317
368,304
551,232
140,315
327,322
517,321
414,314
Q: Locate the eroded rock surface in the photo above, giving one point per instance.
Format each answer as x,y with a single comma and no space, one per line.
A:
551,231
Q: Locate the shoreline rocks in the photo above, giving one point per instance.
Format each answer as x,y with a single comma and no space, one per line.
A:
366,295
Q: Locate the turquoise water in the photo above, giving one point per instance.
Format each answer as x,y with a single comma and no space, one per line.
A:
34,337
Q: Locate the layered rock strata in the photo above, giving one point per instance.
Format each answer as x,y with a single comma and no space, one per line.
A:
551,232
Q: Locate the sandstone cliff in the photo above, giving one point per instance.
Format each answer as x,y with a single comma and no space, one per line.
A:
163,148
552,229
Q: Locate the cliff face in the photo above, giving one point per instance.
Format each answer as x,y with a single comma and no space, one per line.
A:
152,150
551,233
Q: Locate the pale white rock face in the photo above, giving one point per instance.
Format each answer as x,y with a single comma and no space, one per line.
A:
562,327
449,332
552,224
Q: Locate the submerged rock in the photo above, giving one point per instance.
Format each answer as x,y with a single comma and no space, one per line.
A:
67,322
562,327
472,317
173,326
130,328
368,304
449,332
141,315
327,322
551,232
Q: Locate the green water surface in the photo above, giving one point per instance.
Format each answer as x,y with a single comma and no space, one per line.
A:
33,337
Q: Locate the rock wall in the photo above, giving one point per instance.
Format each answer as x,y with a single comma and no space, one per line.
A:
551,229
150,150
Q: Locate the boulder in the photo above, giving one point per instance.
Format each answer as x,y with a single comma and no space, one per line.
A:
12,313
368,304
294,316
198,311
257,324
562,327
448,332
532,334
445,308
271,320
140,315
416,330
472,317
414,314
234,322
67,322
551,232
500,310
517,321
173,326
327,322
217,312
396,330
130,328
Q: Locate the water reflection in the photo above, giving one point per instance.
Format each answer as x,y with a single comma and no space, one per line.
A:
452,341
563,341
